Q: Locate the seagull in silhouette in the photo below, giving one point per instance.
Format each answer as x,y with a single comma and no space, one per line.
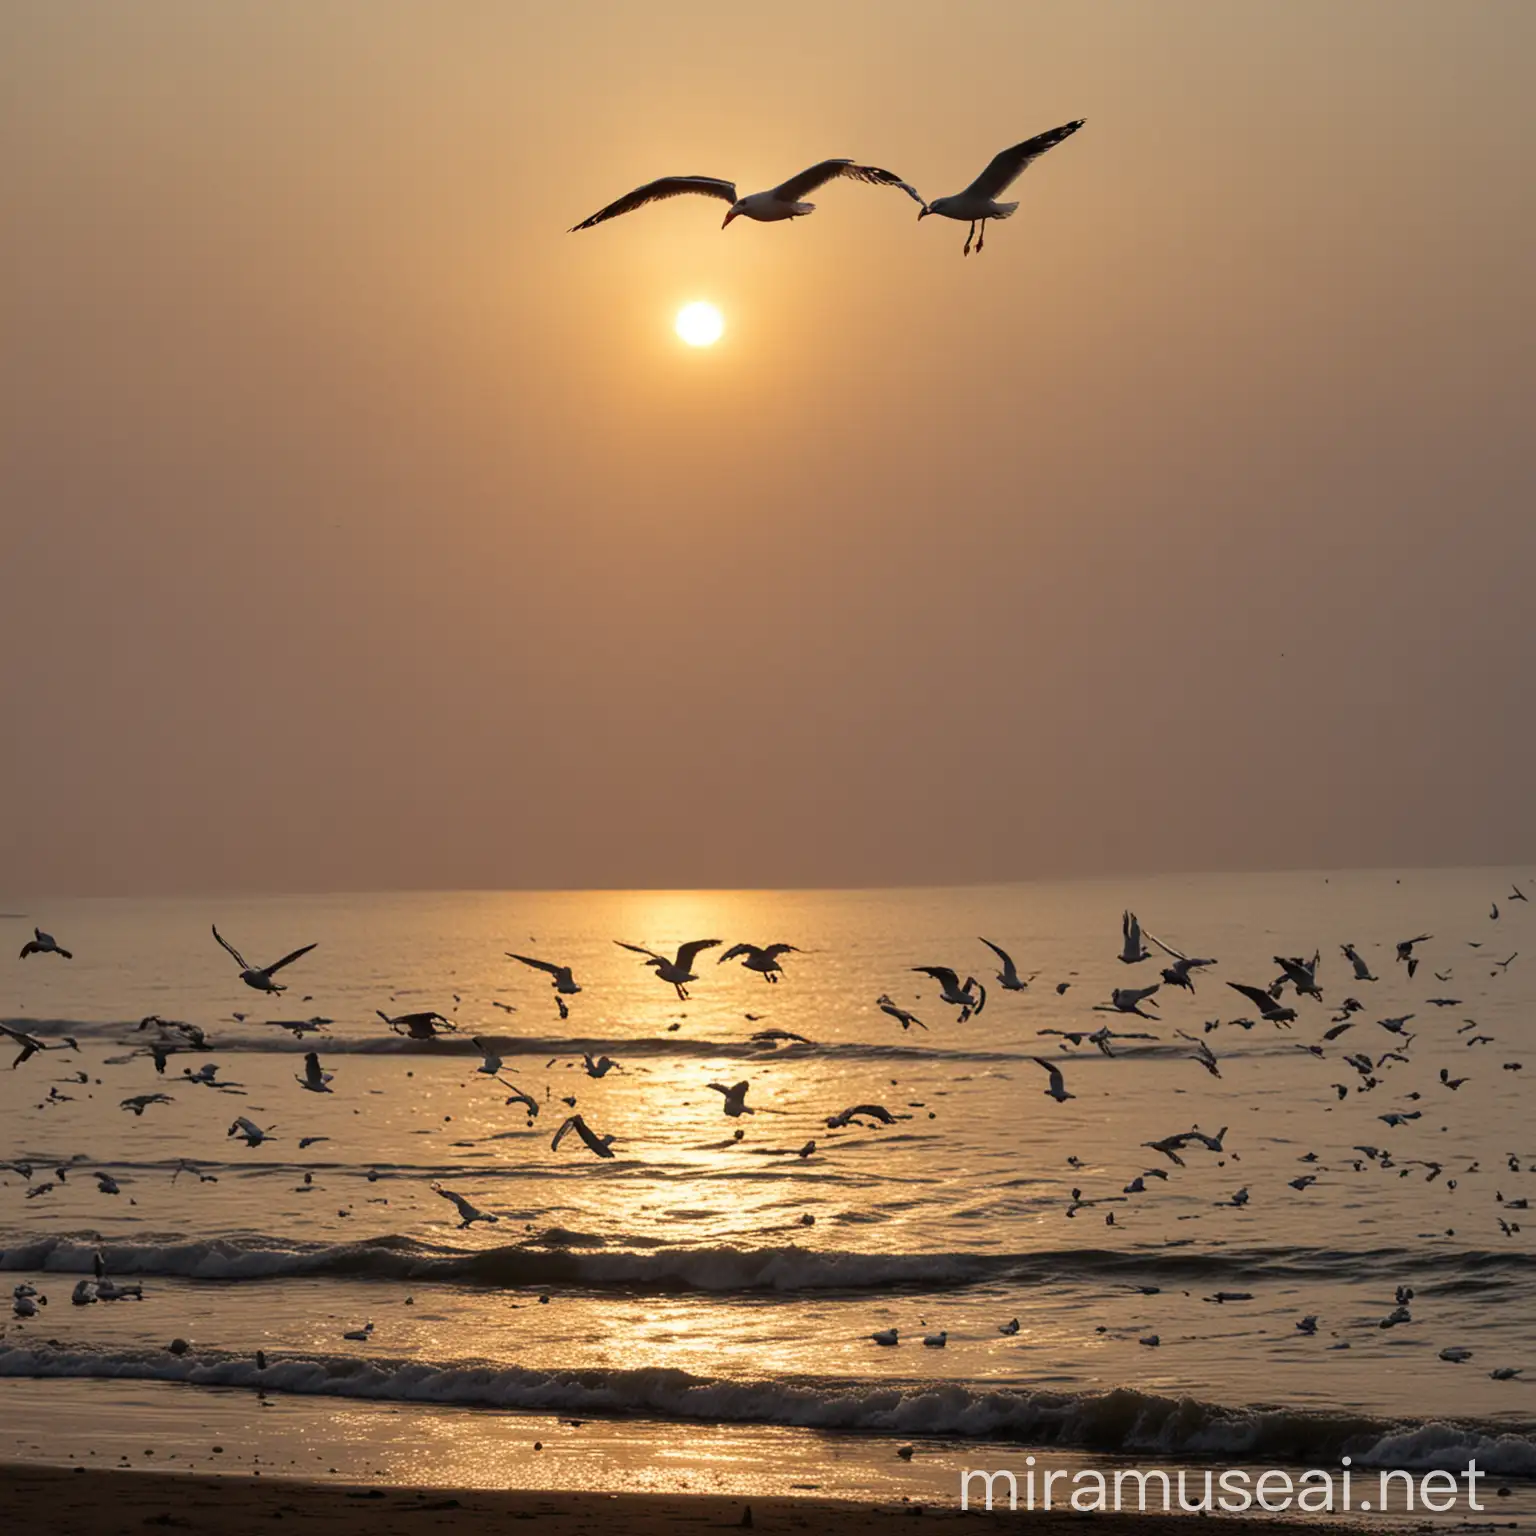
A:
490,1062
29,1045
44,944
735,1098
1128,1000
601,1145
1179,974
1271,1011
418,1026
1516,894
140,1102
1132,950
468,1214
518,1096
969,997
314,1079
1302,974
560,976
1008,978
1405,952
1058,1084
1202,1053
771,207
860,1111
678,970
902,1017
978,203
1362,969
249,1132
260,977
764,961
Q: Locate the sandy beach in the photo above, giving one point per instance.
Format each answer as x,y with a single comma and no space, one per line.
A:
99,1503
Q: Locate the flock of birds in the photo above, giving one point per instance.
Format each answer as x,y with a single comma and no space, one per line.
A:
1279,1004
977,205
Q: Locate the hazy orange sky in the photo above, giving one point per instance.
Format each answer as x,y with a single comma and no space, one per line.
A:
364,528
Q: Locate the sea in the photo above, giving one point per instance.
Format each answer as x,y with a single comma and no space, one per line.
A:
1323,1280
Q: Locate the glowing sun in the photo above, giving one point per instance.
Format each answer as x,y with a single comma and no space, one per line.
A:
700,325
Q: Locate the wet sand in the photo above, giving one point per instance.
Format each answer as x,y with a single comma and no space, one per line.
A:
47,1501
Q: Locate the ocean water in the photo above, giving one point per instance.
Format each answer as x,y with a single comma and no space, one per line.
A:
704,1278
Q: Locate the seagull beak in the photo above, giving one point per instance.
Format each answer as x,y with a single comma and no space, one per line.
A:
731,214
923,212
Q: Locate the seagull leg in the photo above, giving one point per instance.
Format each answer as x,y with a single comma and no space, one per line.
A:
970,235
981,237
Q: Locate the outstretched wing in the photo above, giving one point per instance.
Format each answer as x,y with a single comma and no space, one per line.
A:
640,949
941,974
277,965
775,950
570,1124
1057,1080
538,965
1167,949
734,952
238,957
1002,954
1255,995
688,953
1007,167
655,191
820,174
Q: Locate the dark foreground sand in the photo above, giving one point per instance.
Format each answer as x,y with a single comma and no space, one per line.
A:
47,1501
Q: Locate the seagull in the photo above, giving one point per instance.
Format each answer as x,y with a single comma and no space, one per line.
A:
1516,894
518,1096
1102,1037
315,1080
774,1036
44,944
735,1098
249,1132
1362,969
1202,1053
978,202
418,1026
951,991
868,1111
1268,1008
886,1336
1008,978
563,982
107,1184
1058,1085
601,1067
492,1063
260,977
902,1017
764,961
468,1214
1128,1000
770,207
678,971
30,1044
1178,974
1132,950
1396,1026
142,1102
1302,974
1171,1146
1405,951
936,1340
601,1145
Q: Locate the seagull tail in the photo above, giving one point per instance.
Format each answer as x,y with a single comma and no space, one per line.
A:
1004,211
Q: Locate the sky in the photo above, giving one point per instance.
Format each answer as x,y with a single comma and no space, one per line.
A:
363,528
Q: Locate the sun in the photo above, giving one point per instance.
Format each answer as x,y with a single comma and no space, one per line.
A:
700,325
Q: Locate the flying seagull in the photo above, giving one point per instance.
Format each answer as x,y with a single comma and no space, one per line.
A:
260,977
952,991
601,1145
735,1098
1008,978
902,1017
978,202
868,1111
468,1214
417,1026
1058,1085
1132,950
1128,1000
44,944
1362,968
562,980
1271,1011
778,203
315,1079
678,971
764,961
1179,973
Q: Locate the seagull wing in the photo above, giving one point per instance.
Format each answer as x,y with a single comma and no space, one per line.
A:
1007,167
640,949
941,974
277,965
571,1123
1255,995
773,951
733,953
655,191
538,965
1003,955
1167,949
820,174
1058,1082
238,957
688,953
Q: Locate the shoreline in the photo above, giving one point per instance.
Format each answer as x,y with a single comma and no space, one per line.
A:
51,1501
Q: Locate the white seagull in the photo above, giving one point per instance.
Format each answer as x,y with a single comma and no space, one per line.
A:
44,944
260,977
978,202
1008,978
678,971
770,207
1058,1087
1362,967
